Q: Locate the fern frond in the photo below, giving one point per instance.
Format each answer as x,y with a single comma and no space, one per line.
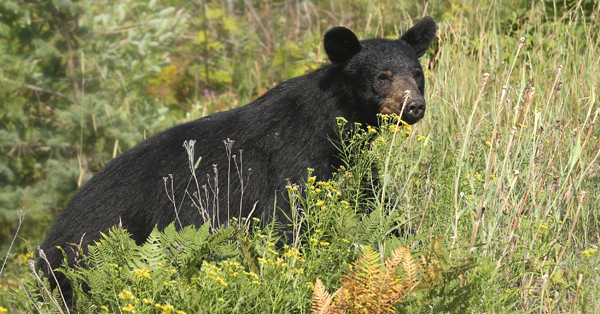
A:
410,268
323,301
321,298
392,263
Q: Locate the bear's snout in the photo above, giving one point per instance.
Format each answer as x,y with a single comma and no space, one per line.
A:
414,106
414,111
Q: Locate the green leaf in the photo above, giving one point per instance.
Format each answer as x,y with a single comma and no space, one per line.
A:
166,11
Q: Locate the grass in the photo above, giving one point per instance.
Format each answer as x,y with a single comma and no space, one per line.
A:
498,184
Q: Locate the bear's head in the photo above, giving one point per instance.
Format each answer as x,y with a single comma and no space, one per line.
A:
382,73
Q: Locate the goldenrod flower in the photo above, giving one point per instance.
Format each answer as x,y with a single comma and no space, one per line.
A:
142,273
251,274
128,308
589,252
393,128
126,295
221,282
167,308
586,253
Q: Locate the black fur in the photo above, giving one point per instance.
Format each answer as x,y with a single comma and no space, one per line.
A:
282,133
420,36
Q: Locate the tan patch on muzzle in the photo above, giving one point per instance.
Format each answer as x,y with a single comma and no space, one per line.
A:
400,95
405,100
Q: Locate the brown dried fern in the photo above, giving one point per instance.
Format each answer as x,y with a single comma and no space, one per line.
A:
372,286
322,300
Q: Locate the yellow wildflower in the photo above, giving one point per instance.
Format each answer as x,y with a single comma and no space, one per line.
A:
251,274
341,120
167,308
292,253
586,253
393,128
589,252
126,295
129,308
142,273
279,261
221,282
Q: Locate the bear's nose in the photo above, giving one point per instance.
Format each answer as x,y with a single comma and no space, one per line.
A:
414,111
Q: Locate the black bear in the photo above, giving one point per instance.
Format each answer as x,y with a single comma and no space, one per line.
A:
281,135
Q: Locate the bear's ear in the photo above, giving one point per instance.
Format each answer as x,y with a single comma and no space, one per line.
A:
420,36
341,44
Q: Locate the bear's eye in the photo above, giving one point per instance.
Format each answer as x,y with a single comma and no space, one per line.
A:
384,76
418,75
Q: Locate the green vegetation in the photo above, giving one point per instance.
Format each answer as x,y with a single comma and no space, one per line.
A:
495,191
